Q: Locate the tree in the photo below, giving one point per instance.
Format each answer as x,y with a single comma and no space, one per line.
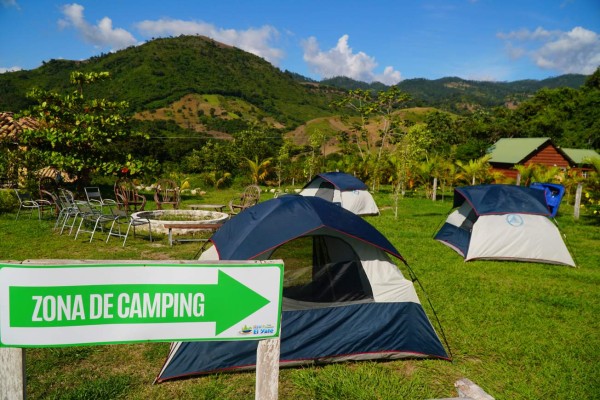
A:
410,150
474,170
316,138
525,173
259,169
217,178
283,161
359,102
446,170
81,136
592,194
593,81
378,113
443,131
255,143
543,173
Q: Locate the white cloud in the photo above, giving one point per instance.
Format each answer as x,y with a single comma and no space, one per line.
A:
10,69
9,3
526,34
342,61
576,51
254,40
101,35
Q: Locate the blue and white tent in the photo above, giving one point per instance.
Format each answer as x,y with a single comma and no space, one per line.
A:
343,189
503,222
344,298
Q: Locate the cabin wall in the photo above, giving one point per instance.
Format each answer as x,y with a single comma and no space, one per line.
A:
547,155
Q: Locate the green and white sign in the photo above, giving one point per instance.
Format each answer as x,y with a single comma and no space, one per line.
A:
122,303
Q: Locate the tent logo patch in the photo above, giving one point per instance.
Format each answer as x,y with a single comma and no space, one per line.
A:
514,220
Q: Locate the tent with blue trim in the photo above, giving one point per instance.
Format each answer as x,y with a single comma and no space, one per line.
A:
343,189
343,298
503,222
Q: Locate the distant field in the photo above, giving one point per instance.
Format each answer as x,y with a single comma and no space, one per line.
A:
518,330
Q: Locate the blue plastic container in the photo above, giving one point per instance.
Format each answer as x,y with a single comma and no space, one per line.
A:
554,194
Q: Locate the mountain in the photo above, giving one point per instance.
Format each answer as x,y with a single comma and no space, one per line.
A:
207,86
163,71
457,94
344,82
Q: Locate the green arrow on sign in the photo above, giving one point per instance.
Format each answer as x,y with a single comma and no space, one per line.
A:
224,303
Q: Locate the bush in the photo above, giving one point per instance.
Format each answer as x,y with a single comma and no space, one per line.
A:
8,200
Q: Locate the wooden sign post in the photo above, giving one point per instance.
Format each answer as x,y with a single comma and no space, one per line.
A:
12,374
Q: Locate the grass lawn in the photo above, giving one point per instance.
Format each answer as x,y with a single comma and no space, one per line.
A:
518,330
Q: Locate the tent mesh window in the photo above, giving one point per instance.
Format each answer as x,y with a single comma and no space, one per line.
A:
470,219
325,191
322,269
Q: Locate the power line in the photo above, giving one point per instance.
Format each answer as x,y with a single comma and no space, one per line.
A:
206,138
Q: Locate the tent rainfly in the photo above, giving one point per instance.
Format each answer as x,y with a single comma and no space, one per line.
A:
503,222
343,189
343,297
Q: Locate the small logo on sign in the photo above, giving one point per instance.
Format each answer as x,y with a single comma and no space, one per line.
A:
514,220
266,329
246,330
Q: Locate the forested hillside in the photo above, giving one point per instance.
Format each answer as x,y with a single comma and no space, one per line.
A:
219,112
162,71
460,95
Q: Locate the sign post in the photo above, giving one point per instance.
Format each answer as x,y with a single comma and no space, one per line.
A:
12,374
124,302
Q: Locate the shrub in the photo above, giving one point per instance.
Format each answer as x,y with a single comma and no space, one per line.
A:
8,200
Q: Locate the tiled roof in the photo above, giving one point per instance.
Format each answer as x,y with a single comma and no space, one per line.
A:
10,128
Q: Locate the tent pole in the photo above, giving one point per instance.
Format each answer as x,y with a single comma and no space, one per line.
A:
415,279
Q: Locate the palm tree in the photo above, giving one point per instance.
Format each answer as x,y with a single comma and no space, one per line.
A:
526,172
474,170
546,174
259,171
424,174
444,170
221,178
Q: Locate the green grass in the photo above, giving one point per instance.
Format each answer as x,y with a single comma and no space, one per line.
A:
519,330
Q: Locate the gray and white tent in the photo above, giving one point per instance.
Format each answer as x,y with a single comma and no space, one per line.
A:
343,189
503,222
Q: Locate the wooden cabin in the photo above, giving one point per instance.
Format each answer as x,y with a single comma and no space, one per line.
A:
508,152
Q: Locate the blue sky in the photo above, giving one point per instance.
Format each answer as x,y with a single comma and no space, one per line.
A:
376,40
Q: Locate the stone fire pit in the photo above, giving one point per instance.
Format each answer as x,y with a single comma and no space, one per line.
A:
180,217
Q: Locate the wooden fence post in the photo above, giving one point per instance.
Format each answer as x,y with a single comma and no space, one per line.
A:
12,373
267,369
577,200
434,195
